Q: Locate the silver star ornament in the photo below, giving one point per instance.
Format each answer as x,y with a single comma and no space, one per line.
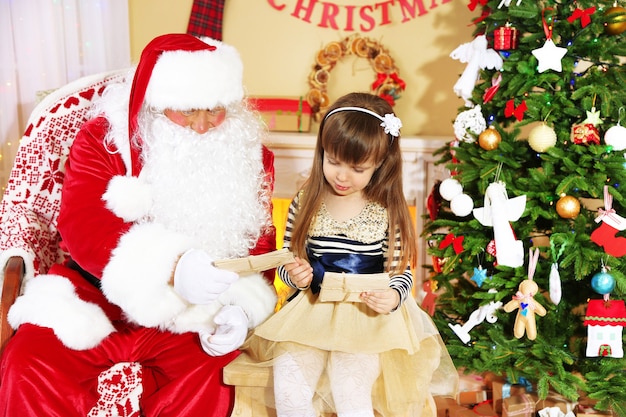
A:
549,56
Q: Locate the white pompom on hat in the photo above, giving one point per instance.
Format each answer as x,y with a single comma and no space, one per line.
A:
182,72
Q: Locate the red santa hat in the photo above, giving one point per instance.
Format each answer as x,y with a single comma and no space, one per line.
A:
181,72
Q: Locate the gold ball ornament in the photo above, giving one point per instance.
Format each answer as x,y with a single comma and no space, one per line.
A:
541,137
489,139
568,207
616,17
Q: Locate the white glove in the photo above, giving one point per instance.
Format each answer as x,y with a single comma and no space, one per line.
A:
197,280
231,331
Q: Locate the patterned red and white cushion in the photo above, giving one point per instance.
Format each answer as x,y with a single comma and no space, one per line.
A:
30,206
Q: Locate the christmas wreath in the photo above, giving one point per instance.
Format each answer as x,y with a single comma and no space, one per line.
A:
387,84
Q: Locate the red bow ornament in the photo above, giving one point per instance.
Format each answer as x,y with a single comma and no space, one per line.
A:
517,112
456,242
583,15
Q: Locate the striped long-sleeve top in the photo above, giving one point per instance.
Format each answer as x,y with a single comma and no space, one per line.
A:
365,235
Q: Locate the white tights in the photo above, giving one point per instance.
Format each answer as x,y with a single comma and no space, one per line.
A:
351,379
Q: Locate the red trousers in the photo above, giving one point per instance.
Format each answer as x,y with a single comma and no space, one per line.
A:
39,376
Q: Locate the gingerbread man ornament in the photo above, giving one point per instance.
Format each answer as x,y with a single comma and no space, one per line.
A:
525,303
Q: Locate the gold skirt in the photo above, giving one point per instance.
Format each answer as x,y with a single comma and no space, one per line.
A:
414,362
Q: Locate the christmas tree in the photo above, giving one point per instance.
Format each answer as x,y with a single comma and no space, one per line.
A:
527,235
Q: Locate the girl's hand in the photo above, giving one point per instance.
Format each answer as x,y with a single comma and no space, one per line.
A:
301,273
381,302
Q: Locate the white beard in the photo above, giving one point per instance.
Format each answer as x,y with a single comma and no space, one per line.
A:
210,187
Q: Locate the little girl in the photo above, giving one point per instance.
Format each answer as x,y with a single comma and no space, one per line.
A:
381,354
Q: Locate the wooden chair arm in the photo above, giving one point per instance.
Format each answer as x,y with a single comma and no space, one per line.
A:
13,276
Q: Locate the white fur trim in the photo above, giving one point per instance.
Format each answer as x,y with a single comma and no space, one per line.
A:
137,279
614,220
137,276
196,318
128,197
29,263
183,80
51,301
114,106
255,295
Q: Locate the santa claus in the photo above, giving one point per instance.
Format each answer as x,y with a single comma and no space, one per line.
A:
168,176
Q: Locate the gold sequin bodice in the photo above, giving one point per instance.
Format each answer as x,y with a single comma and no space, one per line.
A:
370,225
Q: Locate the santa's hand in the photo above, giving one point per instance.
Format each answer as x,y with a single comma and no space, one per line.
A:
197,280
231,331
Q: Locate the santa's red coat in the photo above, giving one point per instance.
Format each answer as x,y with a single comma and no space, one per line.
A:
70,331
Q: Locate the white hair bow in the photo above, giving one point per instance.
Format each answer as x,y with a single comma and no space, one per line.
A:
392,124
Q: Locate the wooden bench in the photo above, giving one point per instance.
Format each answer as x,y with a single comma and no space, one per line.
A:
250,382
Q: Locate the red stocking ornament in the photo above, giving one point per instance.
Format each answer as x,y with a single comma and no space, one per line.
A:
605,236
611,223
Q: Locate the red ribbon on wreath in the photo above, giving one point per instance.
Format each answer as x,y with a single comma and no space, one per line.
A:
389,99
398,80
382,77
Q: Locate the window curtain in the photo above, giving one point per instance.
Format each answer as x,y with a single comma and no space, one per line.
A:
44,44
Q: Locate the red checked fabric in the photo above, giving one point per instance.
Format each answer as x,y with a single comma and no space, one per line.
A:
206,18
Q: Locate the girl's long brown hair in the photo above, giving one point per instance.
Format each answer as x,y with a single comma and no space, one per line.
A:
355,137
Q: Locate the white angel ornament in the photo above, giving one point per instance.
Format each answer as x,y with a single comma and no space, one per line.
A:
477,56
498,211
